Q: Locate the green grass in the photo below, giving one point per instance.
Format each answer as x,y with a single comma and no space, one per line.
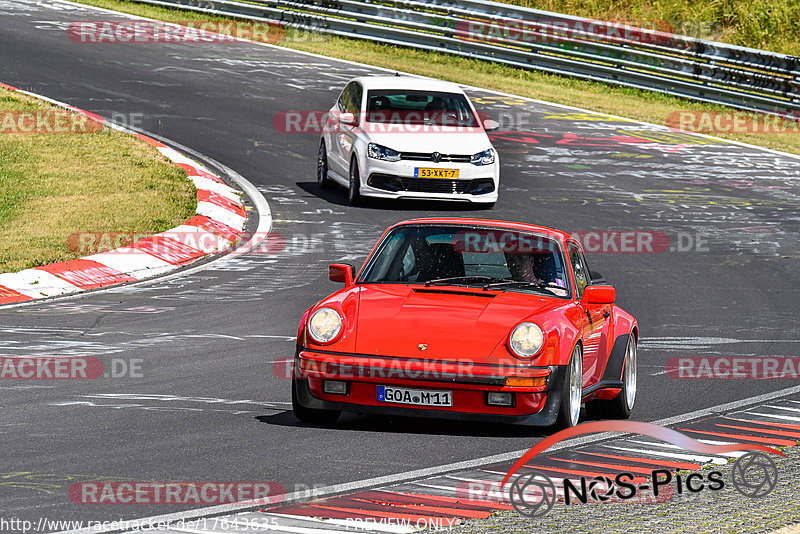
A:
766,24
604,98
56,185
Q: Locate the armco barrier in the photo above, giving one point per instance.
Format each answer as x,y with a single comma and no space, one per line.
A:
697,69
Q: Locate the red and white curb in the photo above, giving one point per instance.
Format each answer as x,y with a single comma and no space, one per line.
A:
217,225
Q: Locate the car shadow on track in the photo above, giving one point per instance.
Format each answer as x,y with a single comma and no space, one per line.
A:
410,425
338,196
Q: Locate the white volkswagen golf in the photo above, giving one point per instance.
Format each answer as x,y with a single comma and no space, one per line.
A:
405,137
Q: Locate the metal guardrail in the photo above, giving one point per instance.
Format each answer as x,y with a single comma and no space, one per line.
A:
708,71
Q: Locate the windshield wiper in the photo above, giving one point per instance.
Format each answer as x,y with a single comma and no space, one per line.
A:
522,283
465,279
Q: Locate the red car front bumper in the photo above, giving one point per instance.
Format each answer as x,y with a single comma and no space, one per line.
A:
469,384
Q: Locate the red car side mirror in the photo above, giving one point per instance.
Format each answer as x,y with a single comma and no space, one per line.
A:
342,273
599,294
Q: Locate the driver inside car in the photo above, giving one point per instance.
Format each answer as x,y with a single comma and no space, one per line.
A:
378,109
537,268
436,109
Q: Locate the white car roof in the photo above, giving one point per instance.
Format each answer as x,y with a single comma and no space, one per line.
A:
407,82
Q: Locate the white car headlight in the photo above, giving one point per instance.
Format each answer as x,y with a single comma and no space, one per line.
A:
526,340
376,151
324,325
483,158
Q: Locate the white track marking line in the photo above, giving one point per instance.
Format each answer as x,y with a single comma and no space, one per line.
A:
464,478
169,398
433,486
787,408
676,447
418,474
714,410
575,481
775,416
665,454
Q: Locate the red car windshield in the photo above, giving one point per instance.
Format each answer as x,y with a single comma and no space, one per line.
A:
458,255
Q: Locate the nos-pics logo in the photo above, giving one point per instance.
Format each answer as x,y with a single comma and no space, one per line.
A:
533,493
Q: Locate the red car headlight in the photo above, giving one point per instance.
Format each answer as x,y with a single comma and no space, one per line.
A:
324,325
526,340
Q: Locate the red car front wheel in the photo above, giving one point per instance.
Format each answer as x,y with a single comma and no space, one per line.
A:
570,410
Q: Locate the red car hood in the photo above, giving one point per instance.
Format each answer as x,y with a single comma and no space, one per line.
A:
454,323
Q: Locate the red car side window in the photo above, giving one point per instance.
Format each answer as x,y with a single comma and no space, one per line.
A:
578,267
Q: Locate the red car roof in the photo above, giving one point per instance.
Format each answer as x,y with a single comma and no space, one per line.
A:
550,232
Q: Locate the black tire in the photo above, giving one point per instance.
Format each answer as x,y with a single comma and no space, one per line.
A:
619,407
485,205
322,167
569,412
354,197
311,415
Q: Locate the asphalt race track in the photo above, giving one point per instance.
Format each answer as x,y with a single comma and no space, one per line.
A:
209,405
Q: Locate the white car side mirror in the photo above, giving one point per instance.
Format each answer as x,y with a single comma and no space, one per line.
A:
348,118
490,125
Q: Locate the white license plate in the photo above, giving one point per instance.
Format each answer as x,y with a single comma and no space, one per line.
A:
417,397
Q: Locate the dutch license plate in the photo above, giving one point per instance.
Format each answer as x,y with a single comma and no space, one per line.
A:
420,172
417,397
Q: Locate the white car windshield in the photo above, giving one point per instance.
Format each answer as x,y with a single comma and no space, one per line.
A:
400,106
459,255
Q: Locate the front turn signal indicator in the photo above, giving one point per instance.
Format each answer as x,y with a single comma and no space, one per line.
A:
522,382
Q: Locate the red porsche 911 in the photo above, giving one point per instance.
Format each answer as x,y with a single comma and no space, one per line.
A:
472,320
